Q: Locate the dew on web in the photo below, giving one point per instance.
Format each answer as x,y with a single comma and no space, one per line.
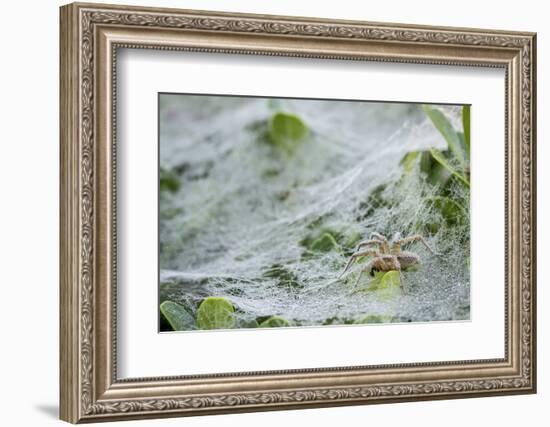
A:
242,224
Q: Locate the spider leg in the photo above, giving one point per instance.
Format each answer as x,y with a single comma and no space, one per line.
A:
355,256
366,269
414,238
375,235
397,267
384,245
369,242
402,279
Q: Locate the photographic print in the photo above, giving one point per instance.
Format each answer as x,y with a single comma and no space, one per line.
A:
278,212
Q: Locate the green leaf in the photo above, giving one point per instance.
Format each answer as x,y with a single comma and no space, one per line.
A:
408,161
246,323
439,175
436,174
386,285
339,236
462,144
466,128
390,285
271,173
215,313
374,318
351,238
177,316
325,243
446,129
283,275
169,181
451,210
375,282
275,322
440,158
286,131
426,162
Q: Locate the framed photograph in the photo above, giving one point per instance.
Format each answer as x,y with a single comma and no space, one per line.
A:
267,212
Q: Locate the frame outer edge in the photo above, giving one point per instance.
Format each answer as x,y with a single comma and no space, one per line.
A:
533,206
77,225
305,19
69,355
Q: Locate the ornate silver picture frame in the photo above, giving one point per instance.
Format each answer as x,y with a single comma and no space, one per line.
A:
91,37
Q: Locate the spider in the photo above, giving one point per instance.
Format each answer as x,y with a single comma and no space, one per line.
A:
388,256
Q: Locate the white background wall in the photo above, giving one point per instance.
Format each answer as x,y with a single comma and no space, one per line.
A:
29,170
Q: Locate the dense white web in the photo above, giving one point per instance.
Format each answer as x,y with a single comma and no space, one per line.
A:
236,227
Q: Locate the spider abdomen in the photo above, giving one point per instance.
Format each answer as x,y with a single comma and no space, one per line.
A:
408,259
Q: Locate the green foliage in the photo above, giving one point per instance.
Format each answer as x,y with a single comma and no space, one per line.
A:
338,237
284,276
466,128
390,285
451,211
169,181
286,131
177,316
409,160
377,198
386,285
336,320
373,284
275,322
440,158
271,173
374,318
215,313
350,239
434,172
439,166
448,132
325,243
169,213
246,323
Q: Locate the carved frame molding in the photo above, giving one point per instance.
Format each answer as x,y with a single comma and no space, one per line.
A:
90,37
